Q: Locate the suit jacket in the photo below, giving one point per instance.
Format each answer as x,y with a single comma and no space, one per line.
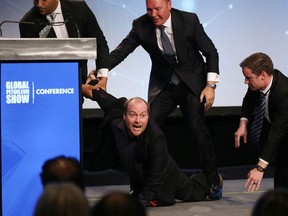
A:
278,114
152,172
80,18
190,39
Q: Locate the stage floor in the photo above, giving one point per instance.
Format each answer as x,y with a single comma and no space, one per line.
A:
236,201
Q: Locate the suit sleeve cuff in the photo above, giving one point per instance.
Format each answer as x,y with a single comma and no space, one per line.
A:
212,76
103,72
263,161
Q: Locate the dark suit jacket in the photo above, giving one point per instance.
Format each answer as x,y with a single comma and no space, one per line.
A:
79,17
278,114
152,172
190,39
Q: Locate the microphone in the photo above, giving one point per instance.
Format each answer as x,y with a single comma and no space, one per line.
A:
18,22
70,19
77,29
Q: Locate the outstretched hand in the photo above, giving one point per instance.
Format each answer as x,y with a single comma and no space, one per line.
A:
102,81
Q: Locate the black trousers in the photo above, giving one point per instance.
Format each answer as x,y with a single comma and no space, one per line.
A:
193,112
281,165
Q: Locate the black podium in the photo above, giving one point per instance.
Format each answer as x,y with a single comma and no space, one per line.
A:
40,112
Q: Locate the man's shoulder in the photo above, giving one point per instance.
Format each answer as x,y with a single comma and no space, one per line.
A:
153,130
32,14
280,82
142,19
182,13
73,4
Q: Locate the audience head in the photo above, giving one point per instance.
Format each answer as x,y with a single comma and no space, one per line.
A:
136,115
62,169
62,199
119,204
272,203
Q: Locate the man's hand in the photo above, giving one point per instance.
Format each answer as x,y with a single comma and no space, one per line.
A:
254,180
91,76
241,132
87,90
209,94
102,81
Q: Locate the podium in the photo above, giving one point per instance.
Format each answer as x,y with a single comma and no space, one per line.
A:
40,112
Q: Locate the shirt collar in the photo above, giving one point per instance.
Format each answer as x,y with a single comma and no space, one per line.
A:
58,9
267,89
168,23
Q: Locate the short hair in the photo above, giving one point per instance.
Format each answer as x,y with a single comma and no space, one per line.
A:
62,199
119,203
272,203
62,169
258,62
136,99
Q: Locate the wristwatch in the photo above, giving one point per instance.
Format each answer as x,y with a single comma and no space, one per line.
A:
213,86
259,168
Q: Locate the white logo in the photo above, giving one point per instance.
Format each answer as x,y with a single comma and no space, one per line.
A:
18,92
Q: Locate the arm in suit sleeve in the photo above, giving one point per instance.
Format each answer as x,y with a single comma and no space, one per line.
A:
89,27
206,46
157,160
278,129
249,104
32,30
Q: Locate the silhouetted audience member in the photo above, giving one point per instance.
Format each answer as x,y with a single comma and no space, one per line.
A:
119,204
62,169
62,199
272,203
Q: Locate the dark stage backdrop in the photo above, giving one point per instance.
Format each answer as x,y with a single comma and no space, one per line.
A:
237,27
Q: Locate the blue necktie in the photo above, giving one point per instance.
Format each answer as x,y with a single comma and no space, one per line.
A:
169,53
167,46
256,127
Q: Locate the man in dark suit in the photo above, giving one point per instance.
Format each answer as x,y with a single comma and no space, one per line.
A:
154,176
261,77
72,19
179,78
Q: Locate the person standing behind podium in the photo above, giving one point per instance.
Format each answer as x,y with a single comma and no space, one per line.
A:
178,77
261,77
73,19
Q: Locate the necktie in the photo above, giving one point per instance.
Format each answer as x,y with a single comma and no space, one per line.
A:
256,127
168,50
45,31
169,53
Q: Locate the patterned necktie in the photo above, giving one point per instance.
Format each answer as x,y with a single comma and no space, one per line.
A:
256,127
46,30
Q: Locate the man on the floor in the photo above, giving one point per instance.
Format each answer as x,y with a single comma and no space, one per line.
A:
155,178
177,45
266,120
